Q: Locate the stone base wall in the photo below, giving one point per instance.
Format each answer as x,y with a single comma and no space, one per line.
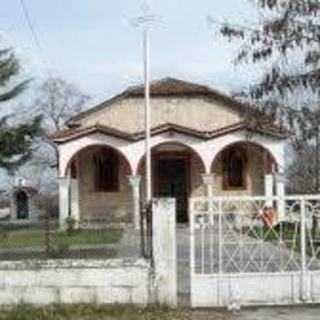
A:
70,281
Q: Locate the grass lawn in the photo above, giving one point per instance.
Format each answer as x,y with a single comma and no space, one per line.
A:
93,312
29,243
36,238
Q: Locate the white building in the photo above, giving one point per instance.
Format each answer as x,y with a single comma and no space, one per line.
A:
202,144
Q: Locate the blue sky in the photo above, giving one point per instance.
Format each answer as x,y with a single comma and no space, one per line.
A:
93,43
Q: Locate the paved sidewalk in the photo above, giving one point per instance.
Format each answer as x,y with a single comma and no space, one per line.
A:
281,313
277,313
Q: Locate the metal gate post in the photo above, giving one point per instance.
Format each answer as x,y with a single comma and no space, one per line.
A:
192,248
220,251
303,281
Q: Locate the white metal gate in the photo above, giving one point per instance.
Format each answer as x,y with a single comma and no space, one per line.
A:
255,250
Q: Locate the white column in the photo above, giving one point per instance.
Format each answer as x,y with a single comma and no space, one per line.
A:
13,206
208,181
268,188
280,190
74,193
164,251
134,182
64,195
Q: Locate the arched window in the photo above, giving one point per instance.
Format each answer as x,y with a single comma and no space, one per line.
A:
234,169
106,170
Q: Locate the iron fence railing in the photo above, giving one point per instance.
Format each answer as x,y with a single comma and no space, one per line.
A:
255,234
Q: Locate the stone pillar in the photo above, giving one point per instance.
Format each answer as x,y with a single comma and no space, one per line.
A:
208,181
13,206
64,202
135,185
268,188
164,251
280,191
74,201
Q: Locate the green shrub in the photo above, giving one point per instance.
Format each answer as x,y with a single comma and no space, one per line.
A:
71,224
60,250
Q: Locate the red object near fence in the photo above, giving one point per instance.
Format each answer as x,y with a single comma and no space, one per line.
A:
269,216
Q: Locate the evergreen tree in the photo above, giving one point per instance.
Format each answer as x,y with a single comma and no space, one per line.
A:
15,140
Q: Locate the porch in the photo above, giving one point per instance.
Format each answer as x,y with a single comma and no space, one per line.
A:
104,183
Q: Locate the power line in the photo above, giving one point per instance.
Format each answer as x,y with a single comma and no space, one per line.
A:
34,34
30,24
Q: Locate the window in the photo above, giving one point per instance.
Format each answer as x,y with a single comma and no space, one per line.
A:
234,169
106,170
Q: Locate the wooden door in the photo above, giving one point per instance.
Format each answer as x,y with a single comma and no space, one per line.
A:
172,181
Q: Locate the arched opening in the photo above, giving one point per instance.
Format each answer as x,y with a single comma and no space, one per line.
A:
73,165
22,205
240,168
99,188
176,173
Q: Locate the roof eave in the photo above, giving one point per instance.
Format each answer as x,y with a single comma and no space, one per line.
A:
168,128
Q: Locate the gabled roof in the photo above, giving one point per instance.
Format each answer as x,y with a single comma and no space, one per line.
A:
169,87
75,133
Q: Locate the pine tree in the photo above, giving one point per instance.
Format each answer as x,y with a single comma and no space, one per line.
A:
15,141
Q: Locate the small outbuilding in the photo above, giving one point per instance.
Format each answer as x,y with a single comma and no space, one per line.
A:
24,203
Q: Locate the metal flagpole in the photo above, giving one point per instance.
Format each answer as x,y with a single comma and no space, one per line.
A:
146,21
147,113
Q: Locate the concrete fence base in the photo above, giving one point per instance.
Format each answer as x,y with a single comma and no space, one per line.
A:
164,251
122,281
104,282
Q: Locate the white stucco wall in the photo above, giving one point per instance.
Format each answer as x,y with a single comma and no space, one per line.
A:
206,149
64,281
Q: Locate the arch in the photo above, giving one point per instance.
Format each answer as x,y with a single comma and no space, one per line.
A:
22,204
242,143
97,145
173,143
176,173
